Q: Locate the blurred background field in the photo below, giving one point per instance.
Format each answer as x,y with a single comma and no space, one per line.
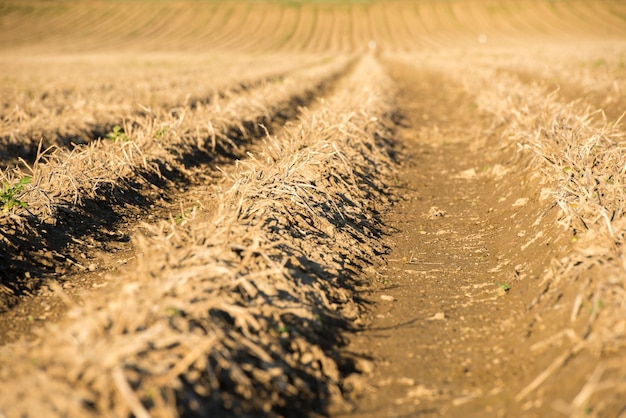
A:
71,26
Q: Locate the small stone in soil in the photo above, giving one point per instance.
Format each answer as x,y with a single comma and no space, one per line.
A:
437,317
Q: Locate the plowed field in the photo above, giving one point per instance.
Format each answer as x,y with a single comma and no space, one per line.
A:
355,209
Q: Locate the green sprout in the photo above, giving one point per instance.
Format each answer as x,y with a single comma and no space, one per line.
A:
117,135
8,195
172,311
160,133
504,286
183,215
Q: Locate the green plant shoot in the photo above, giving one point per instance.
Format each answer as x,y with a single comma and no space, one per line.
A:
9,195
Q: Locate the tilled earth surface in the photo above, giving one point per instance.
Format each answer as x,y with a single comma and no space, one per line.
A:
447,332
443,324
450,329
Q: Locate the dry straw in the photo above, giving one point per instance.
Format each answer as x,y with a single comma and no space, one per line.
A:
151,148
581,156
53,101
238,314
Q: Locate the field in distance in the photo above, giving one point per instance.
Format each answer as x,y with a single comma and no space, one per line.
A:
301,27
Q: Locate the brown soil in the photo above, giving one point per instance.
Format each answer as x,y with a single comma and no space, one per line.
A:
448,331
354,250
460,318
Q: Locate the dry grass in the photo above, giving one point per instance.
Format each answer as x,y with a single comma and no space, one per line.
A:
236,313
148,144
586,155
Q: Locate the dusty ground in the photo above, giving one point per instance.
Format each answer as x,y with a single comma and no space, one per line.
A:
448,331
108,248
472,295
294,332
449,328
448,334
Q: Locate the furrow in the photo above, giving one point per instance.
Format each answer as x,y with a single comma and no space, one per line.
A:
233,23
570,157
66,116
74,195
237,314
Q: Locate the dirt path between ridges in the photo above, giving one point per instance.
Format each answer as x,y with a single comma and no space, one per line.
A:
447,332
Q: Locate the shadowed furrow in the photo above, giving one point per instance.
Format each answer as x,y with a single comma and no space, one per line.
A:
74,194
234,314
71,113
